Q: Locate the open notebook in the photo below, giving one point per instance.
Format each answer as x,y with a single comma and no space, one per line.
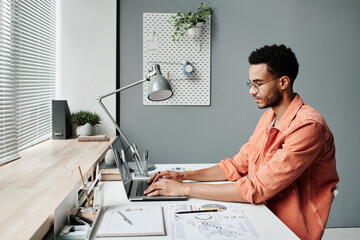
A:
119,221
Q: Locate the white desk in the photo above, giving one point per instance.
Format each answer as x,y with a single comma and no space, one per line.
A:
266,222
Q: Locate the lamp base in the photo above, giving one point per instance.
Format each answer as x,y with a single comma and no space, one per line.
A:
151,166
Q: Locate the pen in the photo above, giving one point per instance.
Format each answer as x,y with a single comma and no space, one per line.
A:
85,191
197,211
125,218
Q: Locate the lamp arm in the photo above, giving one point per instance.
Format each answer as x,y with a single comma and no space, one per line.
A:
113,122
99,98
133,149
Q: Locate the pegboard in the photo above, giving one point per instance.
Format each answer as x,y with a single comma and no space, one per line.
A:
159,48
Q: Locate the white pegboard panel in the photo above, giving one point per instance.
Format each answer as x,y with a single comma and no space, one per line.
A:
159,48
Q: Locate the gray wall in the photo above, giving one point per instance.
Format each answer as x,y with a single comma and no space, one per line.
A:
324,35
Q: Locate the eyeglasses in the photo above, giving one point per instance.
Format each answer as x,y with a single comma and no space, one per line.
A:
256,86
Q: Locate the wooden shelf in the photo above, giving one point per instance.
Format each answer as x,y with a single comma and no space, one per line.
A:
32,187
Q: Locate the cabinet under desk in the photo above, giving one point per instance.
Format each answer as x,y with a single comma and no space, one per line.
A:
33,186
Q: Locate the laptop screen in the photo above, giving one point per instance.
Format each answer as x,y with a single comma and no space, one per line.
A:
122,164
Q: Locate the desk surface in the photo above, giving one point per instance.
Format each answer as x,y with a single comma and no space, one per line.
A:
32,187
267,223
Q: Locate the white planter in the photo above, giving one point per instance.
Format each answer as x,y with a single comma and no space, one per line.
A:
85,130
195,31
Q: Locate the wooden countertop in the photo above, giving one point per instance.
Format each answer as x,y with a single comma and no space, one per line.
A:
33,186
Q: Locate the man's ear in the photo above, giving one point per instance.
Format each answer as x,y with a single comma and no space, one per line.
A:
284,82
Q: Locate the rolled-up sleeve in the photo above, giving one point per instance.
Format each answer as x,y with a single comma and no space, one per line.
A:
236,167
301,147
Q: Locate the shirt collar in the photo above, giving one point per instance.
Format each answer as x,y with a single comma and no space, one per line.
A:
290,113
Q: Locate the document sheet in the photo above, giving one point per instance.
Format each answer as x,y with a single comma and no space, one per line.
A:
229,222
132,221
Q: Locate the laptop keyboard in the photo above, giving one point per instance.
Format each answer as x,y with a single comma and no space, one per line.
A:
142,186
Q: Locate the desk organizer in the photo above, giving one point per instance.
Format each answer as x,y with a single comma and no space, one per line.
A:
64,219
81,231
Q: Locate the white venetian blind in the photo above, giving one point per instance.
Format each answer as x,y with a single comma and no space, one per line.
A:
27,73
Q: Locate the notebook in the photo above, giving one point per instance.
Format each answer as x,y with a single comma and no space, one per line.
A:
122,221
134,188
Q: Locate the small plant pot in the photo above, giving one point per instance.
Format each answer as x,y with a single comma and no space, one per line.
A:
195,31
85,130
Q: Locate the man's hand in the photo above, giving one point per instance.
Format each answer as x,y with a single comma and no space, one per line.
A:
177,176
219,192
167,187
172,185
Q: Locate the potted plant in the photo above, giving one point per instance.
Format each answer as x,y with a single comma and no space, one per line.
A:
86,122
191,22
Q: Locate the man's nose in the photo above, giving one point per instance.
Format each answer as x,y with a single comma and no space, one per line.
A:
252,91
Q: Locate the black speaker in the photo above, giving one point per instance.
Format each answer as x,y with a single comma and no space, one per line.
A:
61,126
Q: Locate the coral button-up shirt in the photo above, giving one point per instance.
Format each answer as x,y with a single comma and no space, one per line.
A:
290,168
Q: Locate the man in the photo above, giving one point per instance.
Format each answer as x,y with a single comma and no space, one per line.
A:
288,163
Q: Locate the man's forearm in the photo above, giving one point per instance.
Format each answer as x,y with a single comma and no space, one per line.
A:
205,175
219,192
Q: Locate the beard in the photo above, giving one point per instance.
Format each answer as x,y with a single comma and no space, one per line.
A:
273,100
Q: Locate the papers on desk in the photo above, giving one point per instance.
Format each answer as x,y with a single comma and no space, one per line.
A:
136,220
230,222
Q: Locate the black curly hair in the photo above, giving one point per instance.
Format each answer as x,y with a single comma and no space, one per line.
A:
280,61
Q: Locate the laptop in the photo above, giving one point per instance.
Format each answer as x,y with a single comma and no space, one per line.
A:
135,188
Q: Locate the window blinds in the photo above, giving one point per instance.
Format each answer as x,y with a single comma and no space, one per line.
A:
27,73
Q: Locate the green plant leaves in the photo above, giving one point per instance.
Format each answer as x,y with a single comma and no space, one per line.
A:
185,21
83,117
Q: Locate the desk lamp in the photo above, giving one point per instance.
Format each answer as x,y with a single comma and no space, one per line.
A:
159,89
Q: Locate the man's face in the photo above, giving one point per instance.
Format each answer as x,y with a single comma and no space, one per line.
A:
268,94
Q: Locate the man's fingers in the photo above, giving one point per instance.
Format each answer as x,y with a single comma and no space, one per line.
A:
151,179
165,187
154,193
147,190
151,190
157,177
156,186
154,177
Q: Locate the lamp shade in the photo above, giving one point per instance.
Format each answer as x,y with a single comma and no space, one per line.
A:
159,88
